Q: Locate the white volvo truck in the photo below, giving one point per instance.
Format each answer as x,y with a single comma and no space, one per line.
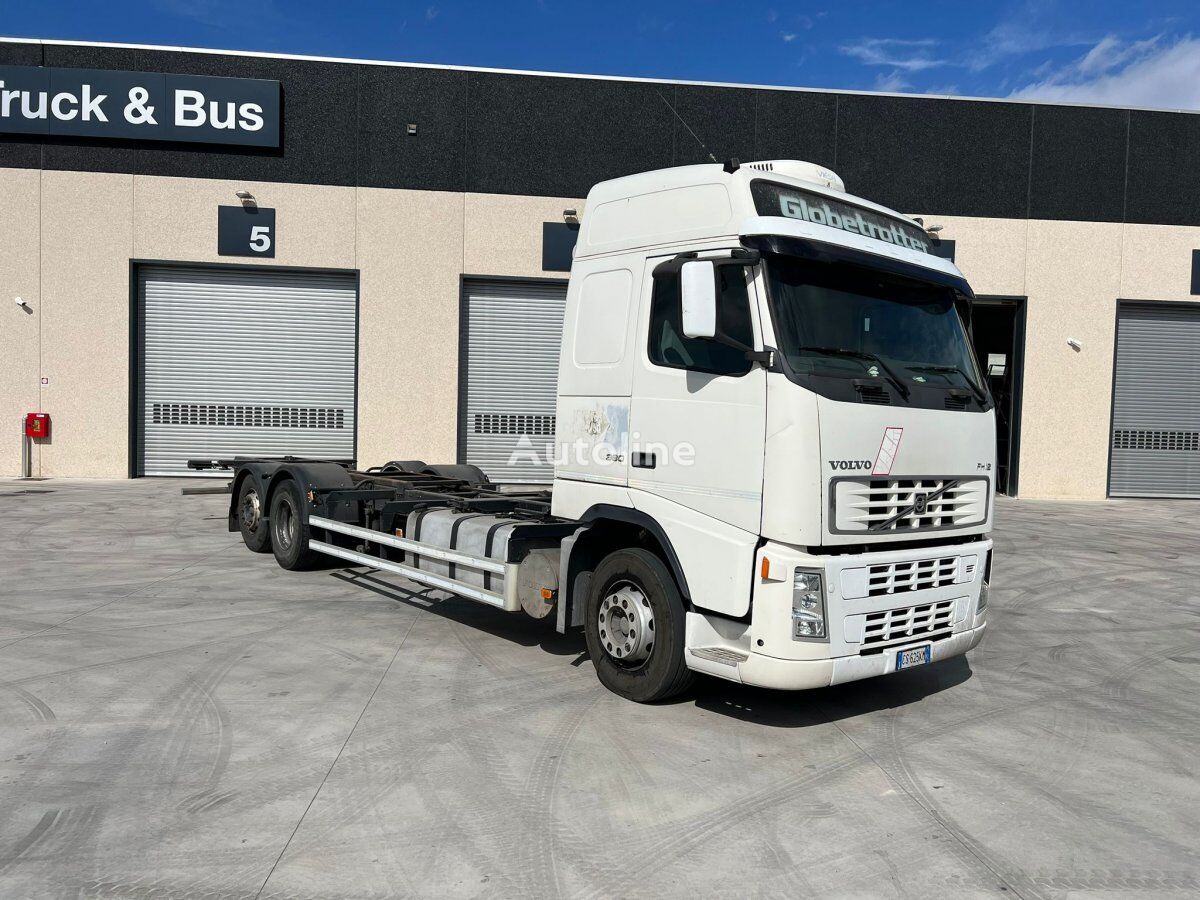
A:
775,452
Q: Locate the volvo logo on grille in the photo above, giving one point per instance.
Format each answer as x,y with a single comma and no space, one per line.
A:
920,503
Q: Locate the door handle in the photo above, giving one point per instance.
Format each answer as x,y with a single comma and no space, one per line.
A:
643,461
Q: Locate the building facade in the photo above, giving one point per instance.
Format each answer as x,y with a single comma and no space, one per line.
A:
412,226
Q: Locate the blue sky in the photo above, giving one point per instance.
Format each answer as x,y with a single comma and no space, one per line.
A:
1139,53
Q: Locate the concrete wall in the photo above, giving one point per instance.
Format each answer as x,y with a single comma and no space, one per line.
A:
20,276
68,238
1072,274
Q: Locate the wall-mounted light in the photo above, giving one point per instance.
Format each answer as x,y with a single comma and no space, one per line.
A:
1074,344
25,306
571,216
412,127
246,197
934,229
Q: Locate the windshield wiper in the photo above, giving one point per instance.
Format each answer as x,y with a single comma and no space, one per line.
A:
861,354
955,370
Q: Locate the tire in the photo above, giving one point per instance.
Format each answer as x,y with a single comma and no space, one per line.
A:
253,525
289,533
638,577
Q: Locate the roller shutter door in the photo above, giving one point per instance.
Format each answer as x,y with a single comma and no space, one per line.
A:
245,361
511,333
1156,402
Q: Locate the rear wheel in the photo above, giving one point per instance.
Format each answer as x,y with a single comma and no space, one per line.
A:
289,533
634,622
251,521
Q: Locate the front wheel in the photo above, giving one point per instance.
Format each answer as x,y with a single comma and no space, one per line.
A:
634,622
289,533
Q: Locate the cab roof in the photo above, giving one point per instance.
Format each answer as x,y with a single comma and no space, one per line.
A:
692,203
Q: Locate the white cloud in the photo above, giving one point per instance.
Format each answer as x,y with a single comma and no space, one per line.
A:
1023,32
788,36
431,13
892,83
907,55
1140,73
1111,52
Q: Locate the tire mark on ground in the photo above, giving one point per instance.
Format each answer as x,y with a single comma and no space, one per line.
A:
35,834
540,844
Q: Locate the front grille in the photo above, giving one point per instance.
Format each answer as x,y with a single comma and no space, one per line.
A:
955,402
902,626
888,505
915,575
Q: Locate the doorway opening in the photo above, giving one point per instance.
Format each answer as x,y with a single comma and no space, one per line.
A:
998,334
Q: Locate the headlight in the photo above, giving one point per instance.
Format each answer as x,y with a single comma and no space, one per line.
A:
808,607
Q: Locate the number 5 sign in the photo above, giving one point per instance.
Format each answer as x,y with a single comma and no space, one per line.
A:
245,231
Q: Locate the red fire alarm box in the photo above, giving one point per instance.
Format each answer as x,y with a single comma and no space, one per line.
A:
37,425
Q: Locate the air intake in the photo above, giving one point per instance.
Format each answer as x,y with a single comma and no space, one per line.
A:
874,394
803,171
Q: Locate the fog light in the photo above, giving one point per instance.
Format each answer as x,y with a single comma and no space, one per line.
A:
983,598
808,607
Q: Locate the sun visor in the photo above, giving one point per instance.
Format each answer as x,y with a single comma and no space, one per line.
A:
819,251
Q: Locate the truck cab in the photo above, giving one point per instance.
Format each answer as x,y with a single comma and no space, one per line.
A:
767,388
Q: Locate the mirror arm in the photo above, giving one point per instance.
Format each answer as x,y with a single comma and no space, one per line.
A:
764,357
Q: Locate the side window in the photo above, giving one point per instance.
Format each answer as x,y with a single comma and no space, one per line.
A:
668,345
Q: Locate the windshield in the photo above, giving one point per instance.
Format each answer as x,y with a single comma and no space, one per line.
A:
847,322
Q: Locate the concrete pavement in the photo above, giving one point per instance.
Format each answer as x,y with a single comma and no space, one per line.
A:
181,718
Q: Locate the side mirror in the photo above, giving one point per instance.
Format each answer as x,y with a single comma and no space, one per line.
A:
698,294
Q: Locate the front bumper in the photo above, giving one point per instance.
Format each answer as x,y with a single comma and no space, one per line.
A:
763,652
802,674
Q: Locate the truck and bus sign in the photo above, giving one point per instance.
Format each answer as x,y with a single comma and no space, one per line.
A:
101,103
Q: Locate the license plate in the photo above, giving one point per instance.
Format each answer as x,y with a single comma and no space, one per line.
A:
917,656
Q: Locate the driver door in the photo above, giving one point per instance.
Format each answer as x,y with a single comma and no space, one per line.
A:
698,414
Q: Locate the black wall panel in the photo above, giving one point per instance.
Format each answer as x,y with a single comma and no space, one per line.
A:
1078,167
320,122
1164,168
346,124
390,99
20,54
796,125
722,118
559,136
950,157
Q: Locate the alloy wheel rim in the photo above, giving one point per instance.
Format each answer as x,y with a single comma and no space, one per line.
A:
626,624
251,511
